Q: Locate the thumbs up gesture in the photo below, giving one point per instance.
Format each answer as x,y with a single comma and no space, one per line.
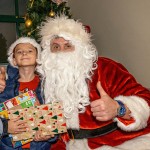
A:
2,79
105,108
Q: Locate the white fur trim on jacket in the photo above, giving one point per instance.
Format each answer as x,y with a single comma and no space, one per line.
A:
81,144
140,111
138,143
19,41
73,122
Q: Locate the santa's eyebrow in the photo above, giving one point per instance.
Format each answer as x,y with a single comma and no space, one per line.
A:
55,43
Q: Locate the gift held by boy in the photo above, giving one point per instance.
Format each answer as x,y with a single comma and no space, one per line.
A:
47,118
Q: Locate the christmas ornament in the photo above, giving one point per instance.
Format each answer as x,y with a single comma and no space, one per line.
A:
58,2
52,13
29,33
28,23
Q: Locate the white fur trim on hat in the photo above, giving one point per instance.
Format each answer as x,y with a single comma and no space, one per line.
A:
23,40
63,27
139,111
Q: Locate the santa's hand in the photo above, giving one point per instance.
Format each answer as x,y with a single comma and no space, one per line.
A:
2,79
105,108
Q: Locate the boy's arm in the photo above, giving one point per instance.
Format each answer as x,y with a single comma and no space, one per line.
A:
53,139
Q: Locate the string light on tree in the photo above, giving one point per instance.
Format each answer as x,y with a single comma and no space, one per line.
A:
30,32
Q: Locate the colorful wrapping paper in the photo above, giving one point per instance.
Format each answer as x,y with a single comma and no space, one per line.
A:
48,119
24,100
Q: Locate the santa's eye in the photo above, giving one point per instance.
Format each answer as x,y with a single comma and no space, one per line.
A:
55,47
69,47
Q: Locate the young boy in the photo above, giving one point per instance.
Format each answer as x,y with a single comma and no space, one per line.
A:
23,54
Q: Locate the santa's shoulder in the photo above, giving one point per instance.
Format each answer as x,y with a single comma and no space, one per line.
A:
104,62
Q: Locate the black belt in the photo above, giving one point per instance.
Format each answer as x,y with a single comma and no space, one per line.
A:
89,133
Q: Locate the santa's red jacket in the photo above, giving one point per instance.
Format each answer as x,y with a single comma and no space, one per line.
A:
119,85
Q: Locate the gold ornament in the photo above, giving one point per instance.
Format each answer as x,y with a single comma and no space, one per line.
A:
28,23
52,13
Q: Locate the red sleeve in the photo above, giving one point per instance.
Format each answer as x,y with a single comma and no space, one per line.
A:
117,81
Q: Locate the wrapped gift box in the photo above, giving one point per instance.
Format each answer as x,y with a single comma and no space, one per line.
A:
48,119
24,100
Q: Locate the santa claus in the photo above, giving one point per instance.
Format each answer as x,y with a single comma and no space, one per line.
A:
104,106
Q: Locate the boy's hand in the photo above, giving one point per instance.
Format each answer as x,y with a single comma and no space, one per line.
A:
17,126
39,137
37,103
2,79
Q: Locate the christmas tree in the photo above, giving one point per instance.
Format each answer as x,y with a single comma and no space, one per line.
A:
37,11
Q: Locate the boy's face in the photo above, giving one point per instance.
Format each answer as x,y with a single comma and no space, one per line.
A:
25,54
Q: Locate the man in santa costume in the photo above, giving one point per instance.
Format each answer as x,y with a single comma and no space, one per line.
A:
104,106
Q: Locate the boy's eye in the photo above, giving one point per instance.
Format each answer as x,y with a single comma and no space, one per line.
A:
19,52
30,50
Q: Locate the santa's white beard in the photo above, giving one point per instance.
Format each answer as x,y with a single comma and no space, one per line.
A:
65,80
